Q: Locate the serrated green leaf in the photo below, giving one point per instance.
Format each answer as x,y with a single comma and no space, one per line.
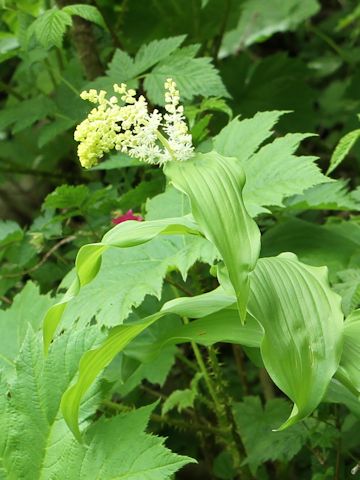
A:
342,149
325,196
125,278
273,172
39,445
27,309
67,196
137,456
88,12
303,322
88,261
241,138
193,76
214,186
32,446
256,424
155,51
121,67
350,360
50,27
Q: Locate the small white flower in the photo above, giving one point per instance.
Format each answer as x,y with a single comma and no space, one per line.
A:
130,128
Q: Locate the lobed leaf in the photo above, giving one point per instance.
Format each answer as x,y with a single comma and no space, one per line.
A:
88,12
88,260
50,27
193,76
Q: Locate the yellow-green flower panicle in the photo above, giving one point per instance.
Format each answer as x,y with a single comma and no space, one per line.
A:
130,128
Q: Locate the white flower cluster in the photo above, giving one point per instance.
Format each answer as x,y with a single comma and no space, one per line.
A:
148,136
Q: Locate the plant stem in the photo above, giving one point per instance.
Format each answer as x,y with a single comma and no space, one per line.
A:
238,449
186,361
266,384
85,43
166,144
178,286
330,42
239,362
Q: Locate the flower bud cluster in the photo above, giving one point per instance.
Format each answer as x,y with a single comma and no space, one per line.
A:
130,128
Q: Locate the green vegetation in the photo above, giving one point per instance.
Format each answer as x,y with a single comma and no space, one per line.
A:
188,305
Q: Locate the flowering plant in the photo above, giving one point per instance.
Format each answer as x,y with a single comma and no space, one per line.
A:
300,342
132,129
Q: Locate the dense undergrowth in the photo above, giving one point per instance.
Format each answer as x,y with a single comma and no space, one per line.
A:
210,329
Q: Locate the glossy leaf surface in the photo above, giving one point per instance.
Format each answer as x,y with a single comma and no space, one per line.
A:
214,186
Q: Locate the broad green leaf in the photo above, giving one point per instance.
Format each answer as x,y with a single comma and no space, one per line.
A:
259,21
155,51
137,456
350,360
325,196
50,27
331,245
88,261
38,436
193,76
241,138
303,324
191,248
88,12
338,393
222,326
342,149
273,172
256,425
121,67
126,276
94,361
214,186
28,308
67,196
39,444
5,421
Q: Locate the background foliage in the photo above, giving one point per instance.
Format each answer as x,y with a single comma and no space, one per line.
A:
276,82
